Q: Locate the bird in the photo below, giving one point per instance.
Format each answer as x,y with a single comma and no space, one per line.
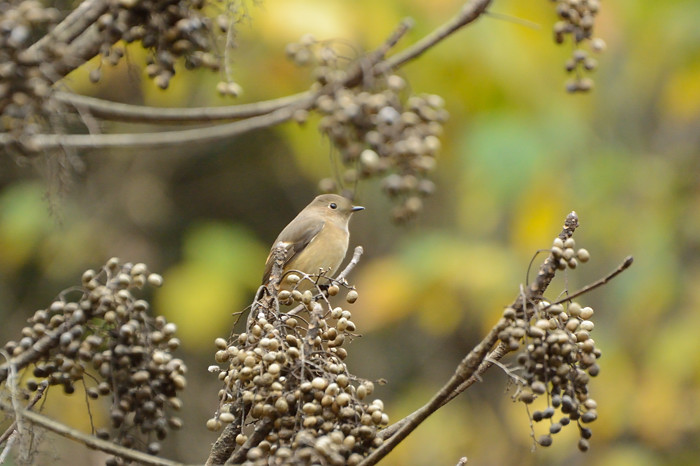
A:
317,238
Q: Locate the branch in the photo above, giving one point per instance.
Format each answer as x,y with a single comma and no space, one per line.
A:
226,443
477,361
470,12
258,436
37,396
466,368
73,25
138,113
282,109
145,114
34,353
88,440
359,250
620,268
208,134
162,138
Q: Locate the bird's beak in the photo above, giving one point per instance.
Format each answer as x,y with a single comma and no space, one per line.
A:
355,208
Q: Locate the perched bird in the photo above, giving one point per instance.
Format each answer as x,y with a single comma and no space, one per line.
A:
317,238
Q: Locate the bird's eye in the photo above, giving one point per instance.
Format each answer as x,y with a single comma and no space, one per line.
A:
333,205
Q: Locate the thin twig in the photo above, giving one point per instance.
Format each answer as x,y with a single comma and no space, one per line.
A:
88,440
351,265
8,447
620,268
200,135
471,11
37,396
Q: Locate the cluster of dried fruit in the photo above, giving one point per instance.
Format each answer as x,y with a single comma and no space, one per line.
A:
378,128
558,356
286,374
36,50
106,334
577,19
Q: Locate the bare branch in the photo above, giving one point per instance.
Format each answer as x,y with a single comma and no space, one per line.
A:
620,268
477,361
145,114
88,440
163,138
351,265
37,396
470,12
67,30
207,134
466,369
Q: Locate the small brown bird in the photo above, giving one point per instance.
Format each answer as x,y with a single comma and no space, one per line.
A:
317,238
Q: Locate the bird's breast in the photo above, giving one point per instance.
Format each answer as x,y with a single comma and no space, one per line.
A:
326,250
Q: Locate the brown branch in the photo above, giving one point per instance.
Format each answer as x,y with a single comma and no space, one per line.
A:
471,11
466,368
73,25
160,139
351,265
145,114
258,436
137,113
223,447
80,50
88,440
84,44
34,353
200,135
37,396
477,361
620,268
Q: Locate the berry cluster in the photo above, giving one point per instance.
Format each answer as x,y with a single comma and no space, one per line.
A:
288,371
107,335
35,52
558,357
577,19
379,130
169,28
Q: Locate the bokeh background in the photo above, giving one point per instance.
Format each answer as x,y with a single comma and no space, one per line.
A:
518,155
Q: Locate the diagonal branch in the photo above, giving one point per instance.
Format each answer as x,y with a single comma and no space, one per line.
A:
471,11
73,25
89,440
477,361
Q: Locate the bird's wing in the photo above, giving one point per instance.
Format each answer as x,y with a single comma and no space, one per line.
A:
311,227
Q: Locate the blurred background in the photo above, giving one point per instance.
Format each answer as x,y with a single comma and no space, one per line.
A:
519,154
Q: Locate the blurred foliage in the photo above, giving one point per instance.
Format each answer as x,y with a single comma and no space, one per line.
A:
518,154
